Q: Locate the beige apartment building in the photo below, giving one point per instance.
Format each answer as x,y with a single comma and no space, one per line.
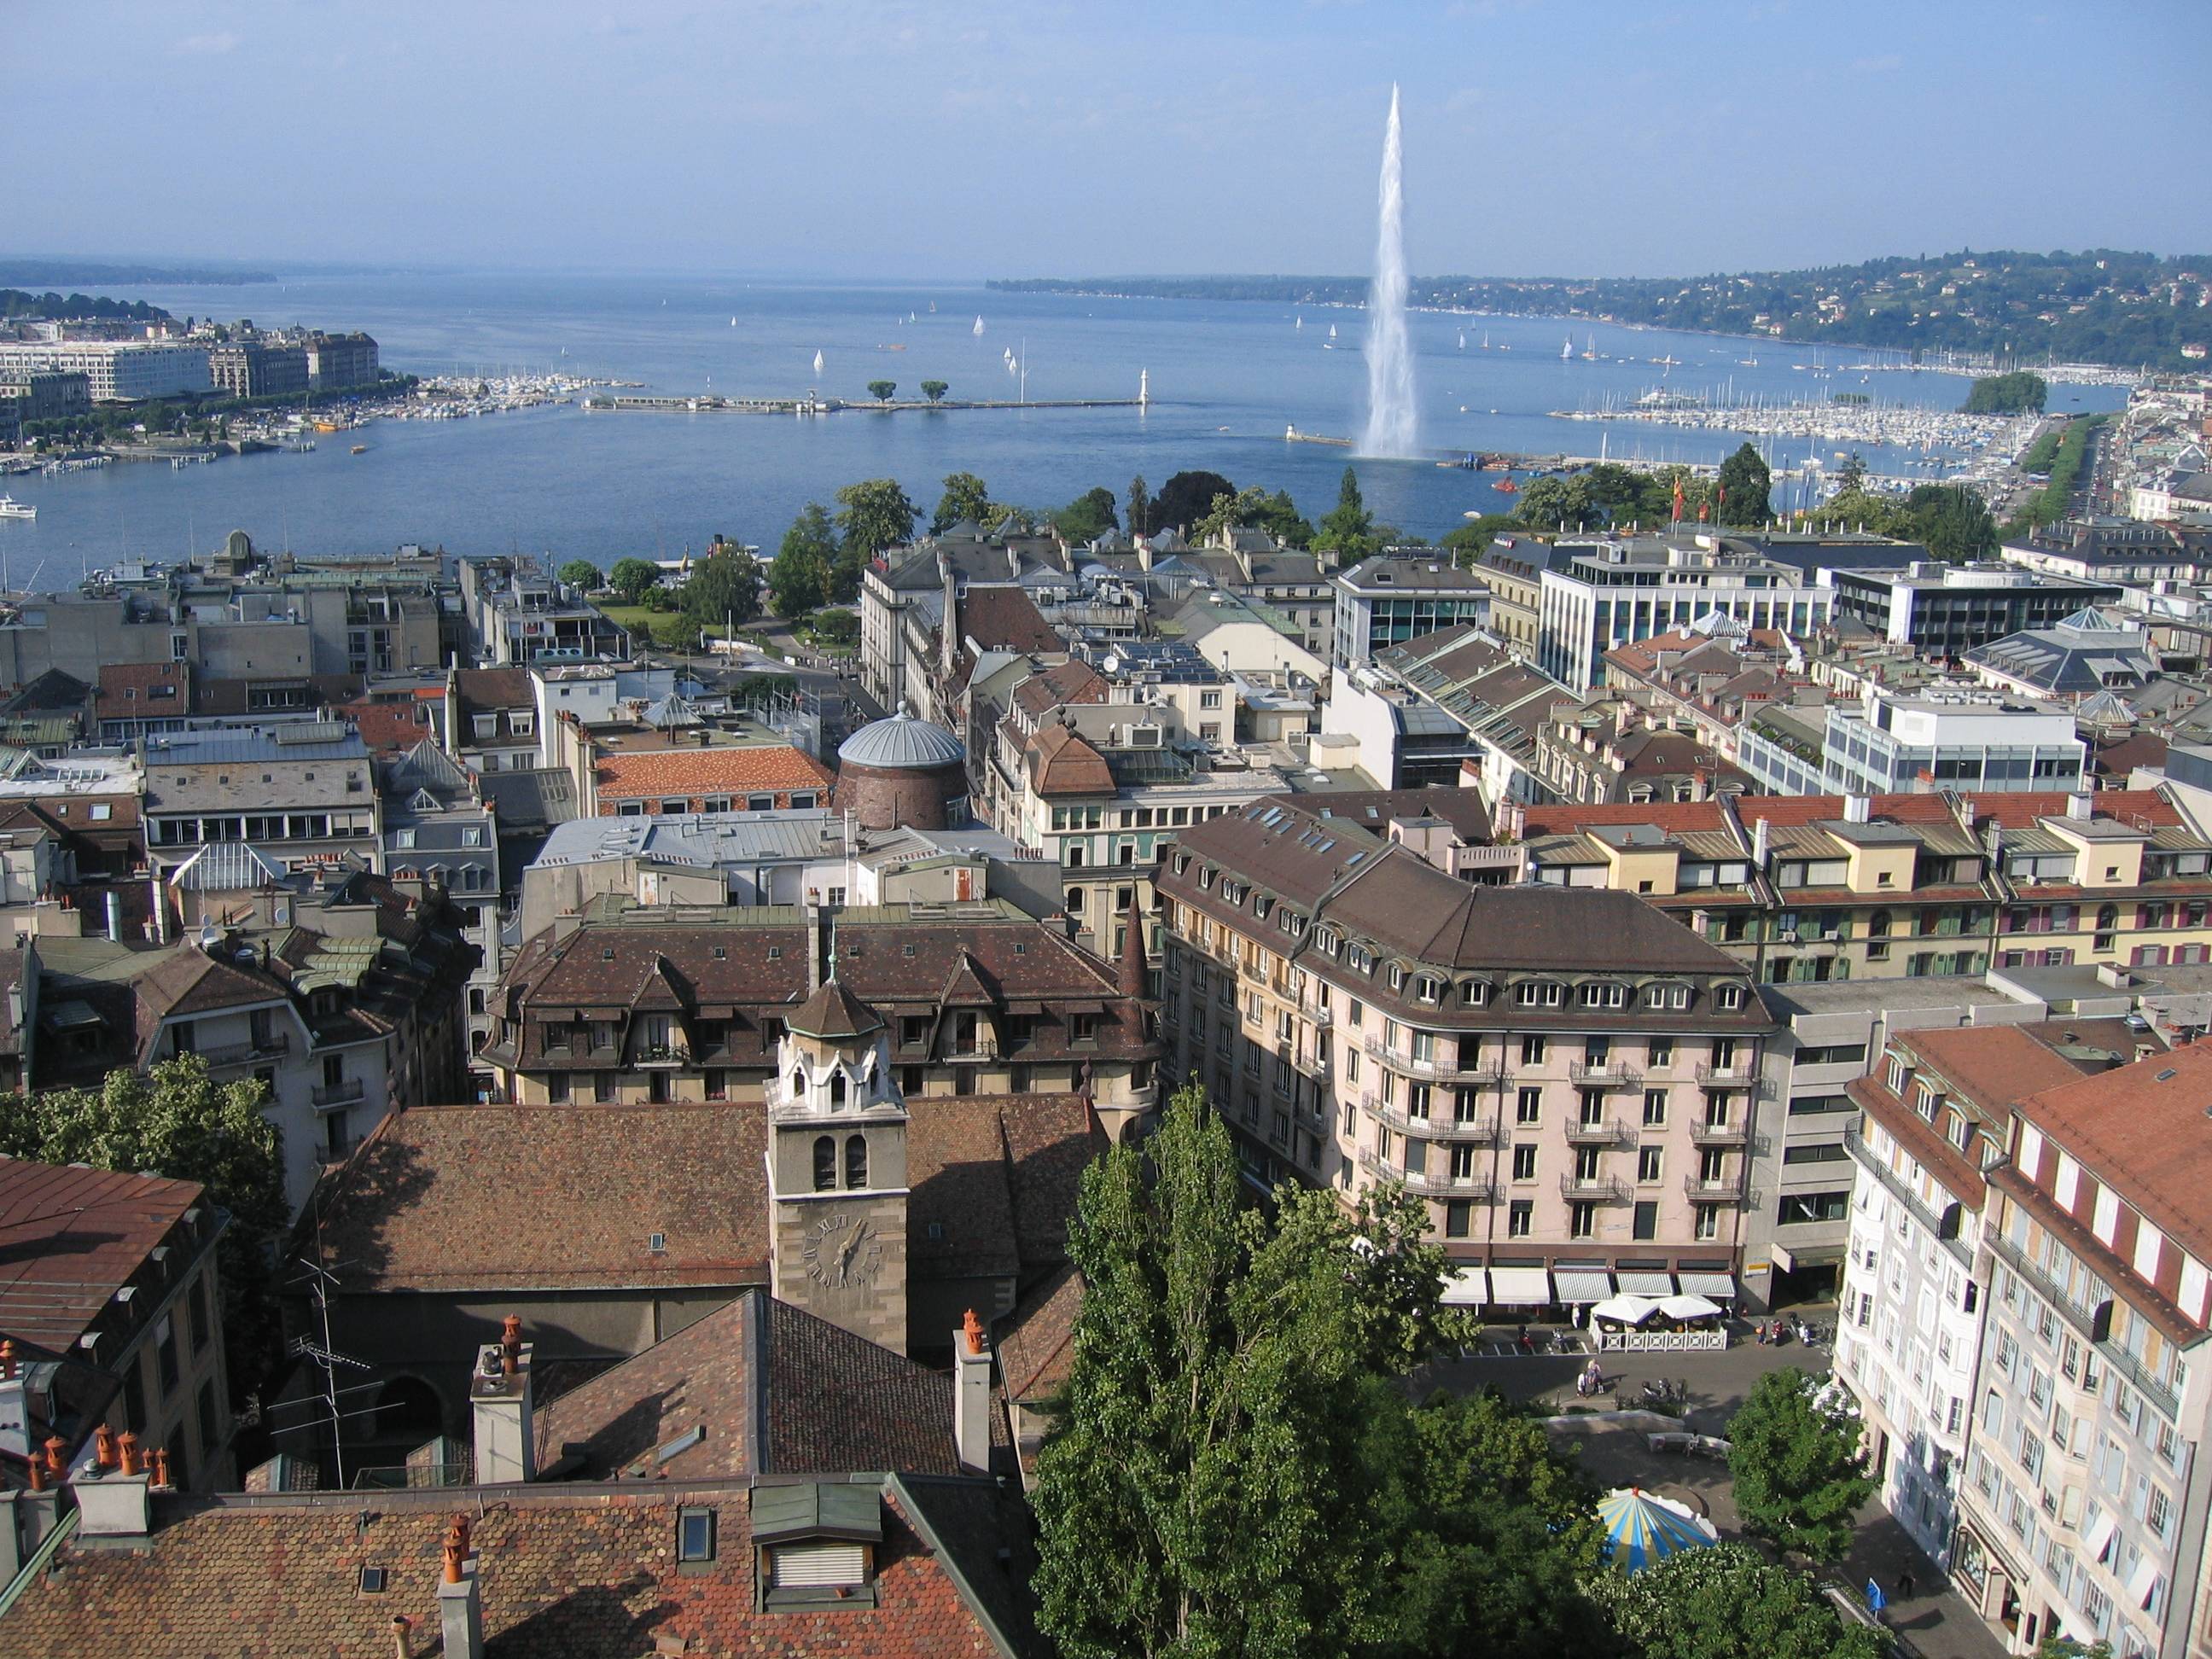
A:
1574,1085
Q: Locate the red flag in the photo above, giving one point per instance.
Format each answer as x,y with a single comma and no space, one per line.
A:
1701,511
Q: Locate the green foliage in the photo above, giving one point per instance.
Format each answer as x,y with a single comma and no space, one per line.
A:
934,389
1726,1602
1954,522
1005,518
799,578
1496,1535
2039,455
2051,503
874,514
881,390
1467,542
966,496
835,627
1206,1491
2066,1647
2018,393
580,573
1256,508
1186,498
1878,516
1348,531
1800,1477
1852,475
1088,517
725,589
633,579
180,1123
1742,498
1140,507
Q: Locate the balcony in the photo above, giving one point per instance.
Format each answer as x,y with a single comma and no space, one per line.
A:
1605,1074
1476,1131
338,1094
1723,1189
1734,1134
1597,1132
1600,1188
662,1053
278,1044
1864,1156
1737,1074
1433,1186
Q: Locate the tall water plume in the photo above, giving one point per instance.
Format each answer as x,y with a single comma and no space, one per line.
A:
1392,422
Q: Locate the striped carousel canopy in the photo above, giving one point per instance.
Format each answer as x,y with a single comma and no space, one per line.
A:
1644,1529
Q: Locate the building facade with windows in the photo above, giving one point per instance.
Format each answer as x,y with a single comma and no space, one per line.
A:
1386,601
2083,1508
1950,738
1574,1087
1943,610
305,790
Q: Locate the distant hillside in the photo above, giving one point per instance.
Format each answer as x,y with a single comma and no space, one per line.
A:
2130,310
76,307
47,273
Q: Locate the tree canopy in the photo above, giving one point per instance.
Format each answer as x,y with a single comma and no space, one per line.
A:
1348,530
1140,507
1186,498
934,389
724,588
1725,1601
1800,1476
1206,1491
881,390
580,574
1741,497
634,578
182,1123
1256,508
1954,522
1088,517
798,578
874,514
966,496
2018,393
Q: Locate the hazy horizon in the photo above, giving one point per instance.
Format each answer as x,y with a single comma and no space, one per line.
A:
895,141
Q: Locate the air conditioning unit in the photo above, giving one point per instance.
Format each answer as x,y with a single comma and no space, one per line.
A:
1147,736
1790,936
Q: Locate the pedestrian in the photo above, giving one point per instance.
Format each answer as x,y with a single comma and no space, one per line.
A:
1905,1587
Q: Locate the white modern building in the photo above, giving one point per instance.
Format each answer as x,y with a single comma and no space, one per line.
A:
1959,737
1601,593
1388,600
119,371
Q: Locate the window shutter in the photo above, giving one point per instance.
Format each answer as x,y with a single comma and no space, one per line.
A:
795,1565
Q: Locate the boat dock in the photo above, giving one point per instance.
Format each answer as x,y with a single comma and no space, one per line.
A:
814,405
1494,460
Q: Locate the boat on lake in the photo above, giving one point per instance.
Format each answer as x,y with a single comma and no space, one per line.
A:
1506,487
12,508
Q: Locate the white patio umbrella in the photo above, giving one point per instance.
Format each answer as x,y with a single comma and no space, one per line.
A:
1625,1309
1689,1307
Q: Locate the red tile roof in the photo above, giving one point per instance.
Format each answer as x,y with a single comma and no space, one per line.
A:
74,1237
1005,619
2145,1130
563,1575
1062,763
697,772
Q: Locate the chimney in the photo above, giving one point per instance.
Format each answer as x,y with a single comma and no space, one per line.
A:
403,1637
816,952
460,1602
112,1500
949,638
500,1402
2081,805
1144,553
1761,842
971,1395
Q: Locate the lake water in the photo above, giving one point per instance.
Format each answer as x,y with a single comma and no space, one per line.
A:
1226,379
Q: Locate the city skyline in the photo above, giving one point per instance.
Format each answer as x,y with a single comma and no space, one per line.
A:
891,144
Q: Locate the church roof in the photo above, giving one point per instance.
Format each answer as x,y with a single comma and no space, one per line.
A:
834,1012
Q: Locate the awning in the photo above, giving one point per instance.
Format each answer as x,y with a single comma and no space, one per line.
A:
1520,1288
1581,1285
2101,1535
1625,1310
2143,1580
1633,1282
1689,1307
1467,1288
1721,1287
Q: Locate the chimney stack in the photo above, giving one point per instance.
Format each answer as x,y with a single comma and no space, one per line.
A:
1858,809
112,1490
1761,842
403,1637
460,1602
500,1403
971,1396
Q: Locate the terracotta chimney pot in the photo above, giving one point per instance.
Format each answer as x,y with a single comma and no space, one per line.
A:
510,1345
457,1548
161,1467
403,1636
127,1445
6,1358
972,1328
57,1449
103,1448
37,1472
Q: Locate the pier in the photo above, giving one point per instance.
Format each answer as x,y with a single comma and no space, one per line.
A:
814,405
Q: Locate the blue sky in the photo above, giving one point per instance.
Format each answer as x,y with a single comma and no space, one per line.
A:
894,138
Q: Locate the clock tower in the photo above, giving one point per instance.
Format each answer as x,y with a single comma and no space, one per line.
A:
837,1169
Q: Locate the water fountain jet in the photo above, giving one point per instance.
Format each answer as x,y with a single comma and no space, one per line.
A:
1393,424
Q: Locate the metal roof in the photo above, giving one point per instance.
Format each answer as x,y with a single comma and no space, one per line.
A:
902,741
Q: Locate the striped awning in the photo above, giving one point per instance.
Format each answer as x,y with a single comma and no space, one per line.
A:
1520,1288
1633,1282
1581,1285
1470,1287
1720,1287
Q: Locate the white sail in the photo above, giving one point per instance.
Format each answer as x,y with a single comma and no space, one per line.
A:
1331,331
817,363
978,329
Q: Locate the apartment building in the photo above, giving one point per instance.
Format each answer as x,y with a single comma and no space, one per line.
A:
1931,1120
1388,600
634,1004
1950,737
118,371
306,790
2083,1506
115,1275
1574,1087
518,617
1945,610
1815,888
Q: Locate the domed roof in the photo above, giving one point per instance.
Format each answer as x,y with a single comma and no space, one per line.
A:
902,741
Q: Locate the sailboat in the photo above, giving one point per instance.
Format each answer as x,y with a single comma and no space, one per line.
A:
733,322
1589,352
1331,331
1567,349
1486,339
978,329
1297,322
817,363
1462,339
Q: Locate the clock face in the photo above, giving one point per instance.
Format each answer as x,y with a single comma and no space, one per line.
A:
843,1251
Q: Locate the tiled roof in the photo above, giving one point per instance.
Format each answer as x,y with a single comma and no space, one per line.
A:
710,772
1992,1065
1036,1341
1072,682
389,728
75,1236
188,981
2143,1130
562,1574
125,689
483,689
578,1190
1005,619
1062,763
834,1012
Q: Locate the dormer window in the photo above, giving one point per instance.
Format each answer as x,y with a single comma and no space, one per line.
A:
1475,994
816,1543
1729,997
